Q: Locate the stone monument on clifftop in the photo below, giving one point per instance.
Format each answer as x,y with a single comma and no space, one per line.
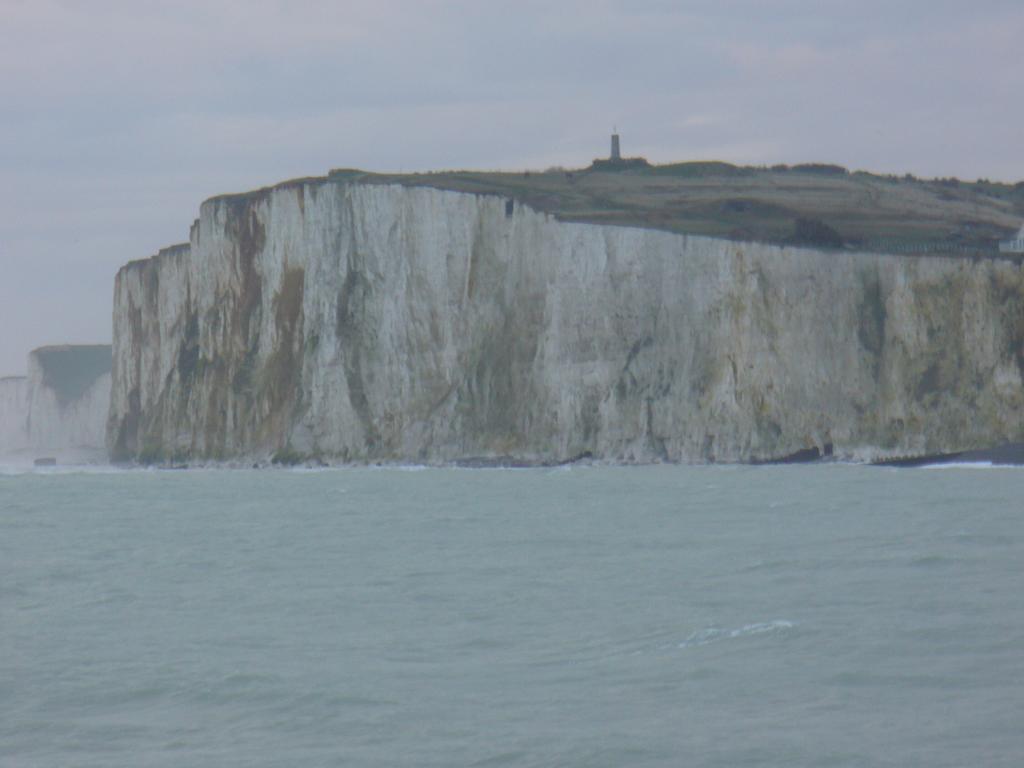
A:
616,162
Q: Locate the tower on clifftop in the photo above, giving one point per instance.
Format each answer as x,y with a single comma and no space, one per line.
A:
616,162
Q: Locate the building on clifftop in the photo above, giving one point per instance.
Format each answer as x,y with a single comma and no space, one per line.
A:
616,162
1013,245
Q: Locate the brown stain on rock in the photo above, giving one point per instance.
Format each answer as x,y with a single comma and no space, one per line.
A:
281,376
250,237
231,404
1007,290
350,328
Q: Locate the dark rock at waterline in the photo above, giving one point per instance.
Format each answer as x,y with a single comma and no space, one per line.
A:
1010,454
512,462
803,456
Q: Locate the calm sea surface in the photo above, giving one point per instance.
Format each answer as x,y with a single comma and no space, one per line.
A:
594,616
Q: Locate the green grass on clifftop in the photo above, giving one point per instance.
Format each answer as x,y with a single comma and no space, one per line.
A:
761,204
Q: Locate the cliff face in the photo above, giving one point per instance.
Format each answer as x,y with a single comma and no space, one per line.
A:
13,415
69,400
60,409
370,322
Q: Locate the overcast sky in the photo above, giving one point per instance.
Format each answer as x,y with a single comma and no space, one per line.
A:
118,118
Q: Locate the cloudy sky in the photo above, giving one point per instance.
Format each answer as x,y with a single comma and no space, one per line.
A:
118,118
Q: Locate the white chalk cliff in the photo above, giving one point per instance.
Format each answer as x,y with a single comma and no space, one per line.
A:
13,415
365,322
60,409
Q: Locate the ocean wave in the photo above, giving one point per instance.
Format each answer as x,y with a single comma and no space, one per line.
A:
969,465
716,634
13,470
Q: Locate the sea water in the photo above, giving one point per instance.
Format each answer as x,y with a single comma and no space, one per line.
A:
593,616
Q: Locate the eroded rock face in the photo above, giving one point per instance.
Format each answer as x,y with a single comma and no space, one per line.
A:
358,322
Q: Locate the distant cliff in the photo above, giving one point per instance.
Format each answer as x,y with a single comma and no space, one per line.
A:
59,409
13,415
366,322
